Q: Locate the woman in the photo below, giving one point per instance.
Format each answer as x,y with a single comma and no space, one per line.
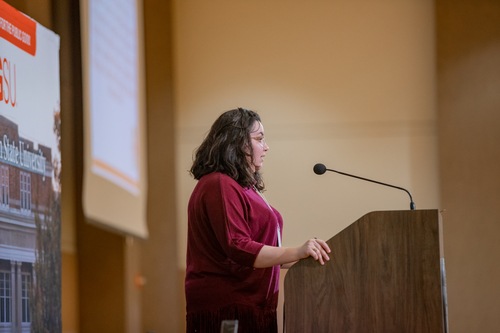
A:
234,248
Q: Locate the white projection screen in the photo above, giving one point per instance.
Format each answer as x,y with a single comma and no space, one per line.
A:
114,184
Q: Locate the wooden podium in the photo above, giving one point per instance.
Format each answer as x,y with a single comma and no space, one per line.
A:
386,274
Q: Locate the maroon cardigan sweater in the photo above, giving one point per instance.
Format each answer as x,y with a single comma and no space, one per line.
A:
227,227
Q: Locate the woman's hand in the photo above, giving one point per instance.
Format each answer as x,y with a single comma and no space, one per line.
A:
285,256
317,249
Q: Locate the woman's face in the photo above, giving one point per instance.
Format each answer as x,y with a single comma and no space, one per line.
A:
259,146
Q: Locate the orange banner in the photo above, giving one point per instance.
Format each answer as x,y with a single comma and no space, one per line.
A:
17,28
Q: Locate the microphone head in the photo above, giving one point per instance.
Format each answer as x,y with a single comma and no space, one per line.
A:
319,169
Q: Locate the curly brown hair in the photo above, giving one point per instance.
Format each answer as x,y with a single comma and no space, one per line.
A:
226,149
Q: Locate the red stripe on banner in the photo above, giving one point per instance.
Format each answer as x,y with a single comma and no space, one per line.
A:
17,28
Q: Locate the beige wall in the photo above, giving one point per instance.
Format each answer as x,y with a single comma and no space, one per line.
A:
347,83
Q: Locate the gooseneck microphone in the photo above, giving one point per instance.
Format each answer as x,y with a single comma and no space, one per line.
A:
320,169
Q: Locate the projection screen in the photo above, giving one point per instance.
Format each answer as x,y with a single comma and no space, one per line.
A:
114,184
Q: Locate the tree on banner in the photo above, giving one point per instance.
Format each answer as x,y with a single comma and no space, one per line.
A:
46,305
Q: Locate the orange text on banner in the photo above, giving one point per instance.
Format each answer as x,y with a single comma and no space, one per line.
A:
17,28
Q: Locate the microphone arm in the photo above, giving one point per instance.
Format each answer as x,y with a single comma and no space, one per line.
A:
320,169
